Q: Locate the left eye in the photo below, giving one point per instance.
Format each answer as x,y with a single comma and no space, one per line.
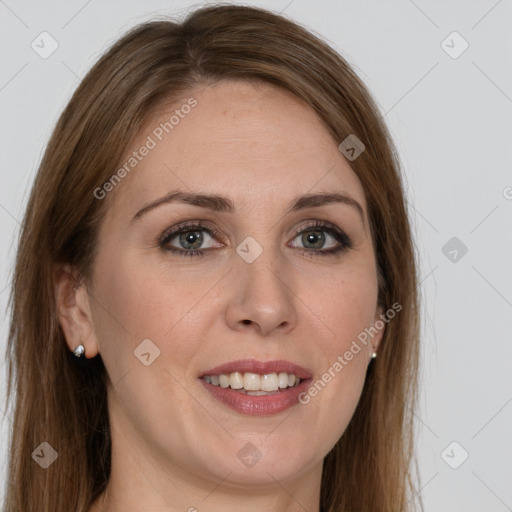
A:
317,238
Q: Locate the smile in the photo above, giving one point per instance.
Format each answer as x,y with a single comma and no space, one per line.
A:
254,387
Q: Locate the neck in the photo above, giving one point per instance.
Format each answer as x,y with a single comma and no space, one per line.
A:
121,495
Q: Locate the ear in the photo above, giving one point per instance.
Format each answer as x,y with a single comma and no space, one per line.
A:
378,321
73,310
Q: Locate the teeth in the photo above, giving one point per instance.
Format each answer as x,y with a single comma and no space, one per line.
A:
283,380
224,380
236,380
253,383
269,382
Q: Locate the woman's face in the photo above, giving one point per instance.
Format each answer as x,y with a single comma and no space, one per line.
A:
263,288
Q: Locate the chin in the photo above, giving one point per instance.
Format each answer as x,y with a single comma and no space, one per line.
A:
258,468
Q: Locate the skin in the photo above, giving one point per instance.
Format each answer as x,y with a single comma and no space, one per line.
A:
174,447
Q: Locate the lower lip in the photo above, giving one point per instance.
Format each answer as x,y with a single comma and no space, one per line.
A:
263,405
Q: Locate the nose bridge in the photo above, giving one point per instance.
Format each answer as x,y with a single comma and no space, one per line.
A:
261,260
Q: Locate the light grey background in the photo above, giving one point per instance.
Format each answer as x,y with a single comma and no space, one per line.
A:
451,119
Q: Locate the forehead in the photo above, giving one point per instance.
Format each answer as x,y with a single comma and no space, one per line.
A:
256,143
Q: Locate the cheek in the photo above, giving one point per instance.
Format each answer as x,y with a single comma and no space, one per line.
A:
142,298
347,307
136,302
146,324
346,303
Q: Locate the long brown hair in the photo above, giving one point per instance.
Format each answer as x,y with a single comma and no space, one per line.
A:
62,401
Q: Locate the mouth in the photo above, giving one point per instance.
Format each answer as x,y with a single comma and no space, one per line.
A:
255,387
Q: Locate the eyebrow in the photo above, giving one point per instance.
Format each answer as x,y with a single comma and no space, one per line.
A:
218,203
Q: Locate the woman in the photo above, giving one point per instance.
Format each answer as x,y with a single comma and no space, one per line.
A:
215,293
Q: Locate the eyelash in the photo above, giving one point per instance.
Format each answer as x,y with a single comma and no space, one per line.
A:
337,234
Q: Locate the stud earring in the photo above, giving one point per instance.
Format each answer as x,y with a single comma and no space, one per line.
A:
79,351
374,355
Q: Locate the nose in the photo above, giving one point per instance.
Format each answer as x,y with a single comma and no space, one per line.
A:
262,299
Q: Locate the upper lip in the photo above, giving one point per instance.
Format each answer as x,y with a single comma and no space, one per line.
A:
261,367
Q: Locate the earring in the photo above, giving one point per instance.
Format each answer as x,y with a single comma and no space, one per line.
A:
79,351
374,355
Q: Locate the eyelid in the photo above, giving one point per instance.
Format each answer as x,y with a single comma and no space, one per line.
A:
198,225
